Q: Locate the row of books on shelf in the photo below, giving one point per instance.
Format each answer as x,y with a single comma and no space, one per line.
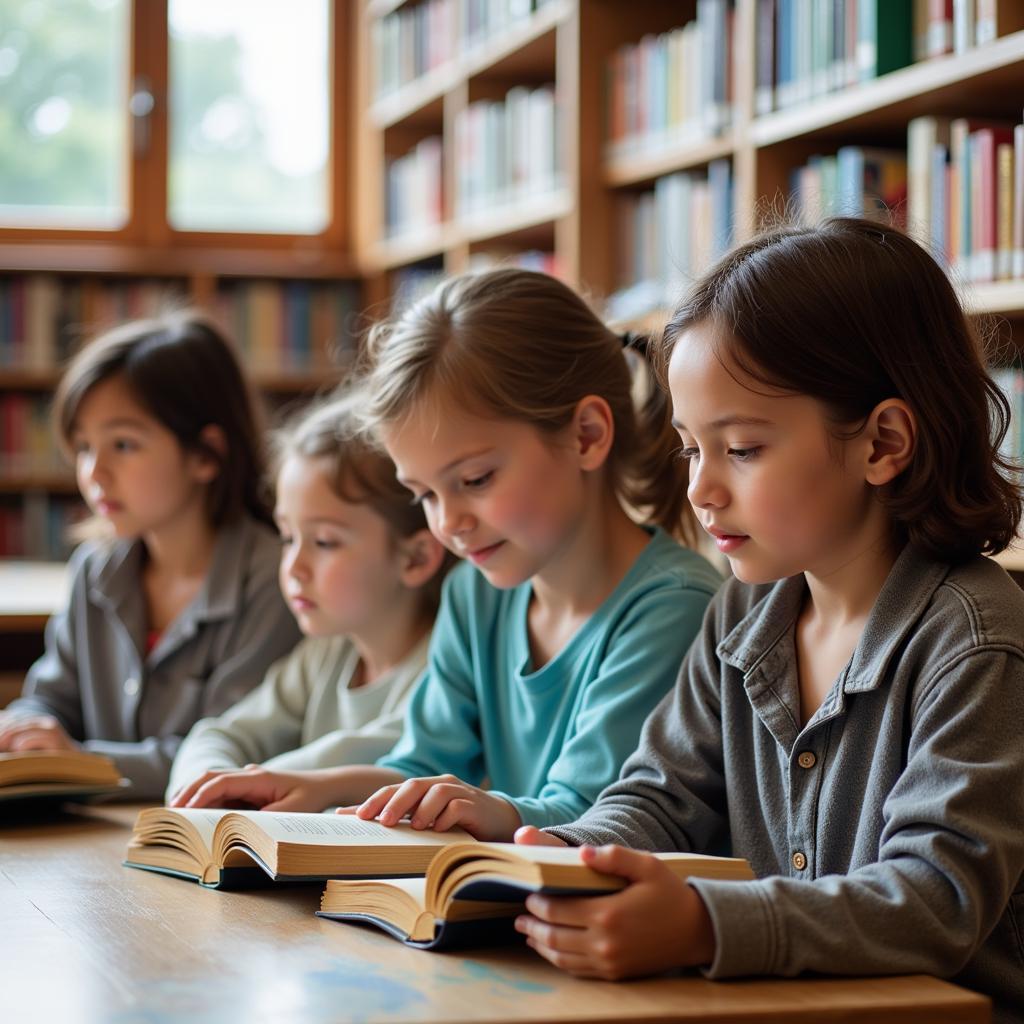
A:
806,48
38,526
507,150
966,194
291,327
1011,381
414,200
414,40
27,443
675,87
958,187
669,235
44,318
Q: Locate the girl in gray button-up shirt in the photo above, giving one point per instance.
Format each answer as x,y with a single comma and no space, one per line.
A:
854,729
176,612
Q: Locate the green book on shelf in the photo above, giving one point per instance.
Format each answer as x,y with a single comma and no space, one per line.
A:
885,36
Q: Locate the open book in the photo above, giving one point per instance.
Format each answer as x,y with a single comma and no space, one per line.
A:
57,775
472,891
239,849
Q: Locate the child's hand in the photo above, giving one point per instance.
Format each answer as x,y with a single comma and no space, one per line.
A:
33,732
656,923
441,802
255,786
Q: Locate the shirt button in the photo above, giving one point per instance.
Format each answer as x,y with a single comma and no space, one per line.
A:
799,861
806,759
131,686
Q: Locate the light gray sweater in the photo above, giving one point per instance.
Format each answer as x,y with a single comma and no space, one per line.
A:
887,834
306,714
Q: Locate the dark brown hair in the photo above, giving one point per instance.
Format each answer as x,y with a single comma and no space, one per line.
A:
329,433
183,371
851,313
521,345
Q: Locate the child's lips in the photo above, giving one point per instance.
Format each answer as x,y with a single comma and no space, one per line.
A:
481,555
302,604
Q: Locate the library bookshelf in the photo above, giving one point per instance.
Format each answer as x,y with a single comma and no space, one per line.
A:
572,45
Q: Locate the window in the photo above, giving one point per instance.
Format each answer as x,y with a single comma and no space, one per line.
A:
63,113
248,115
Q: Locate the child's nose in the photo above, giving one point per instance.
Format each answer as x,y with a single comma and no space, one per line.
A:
705,491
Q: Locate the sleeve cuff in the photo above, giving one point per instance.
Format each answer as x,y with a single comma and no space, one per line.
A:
747,938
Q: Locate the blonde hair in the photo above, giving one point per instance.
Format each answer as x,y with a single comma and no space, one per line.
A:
358,473
521,345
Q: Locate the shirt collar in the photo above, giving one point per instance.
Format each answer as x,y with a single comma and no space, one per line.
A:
906,593
114,581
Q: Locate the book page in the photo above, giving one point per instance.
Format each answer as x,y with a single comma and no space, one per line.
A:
344,830
203,820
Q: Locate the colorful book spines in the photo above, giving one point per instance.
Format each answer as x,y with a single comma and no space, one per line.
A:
965,181
855,181
293,327
674,86
805,48
668,235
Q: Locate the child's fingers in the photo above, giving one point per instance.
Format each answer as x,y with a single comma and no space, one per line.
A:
530,835
229,786
436,801
568,911
186,792
459,811
404,800
564,938
617,860
580,965
374,804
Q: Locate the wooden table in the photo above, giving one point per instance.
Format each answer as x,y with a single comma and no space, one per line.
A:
83,939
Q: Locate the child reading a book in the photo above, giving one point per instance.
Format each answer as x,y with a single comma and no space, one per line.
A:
174,612
508,409
362,574
848,720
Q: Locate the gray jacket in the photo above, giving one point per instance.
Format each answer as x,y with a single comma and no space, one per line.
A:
887,834
95,679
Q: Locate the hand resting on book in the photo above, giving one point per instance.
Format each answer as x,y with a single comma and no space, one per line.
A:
33,732
658,922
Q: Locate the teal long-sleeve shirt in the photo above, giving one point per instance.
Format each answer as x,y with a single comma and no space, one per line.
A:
550,740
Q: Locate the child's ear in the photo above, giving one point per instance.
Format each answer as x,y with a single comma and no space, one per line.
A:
420,557
212,439
593,428
891,430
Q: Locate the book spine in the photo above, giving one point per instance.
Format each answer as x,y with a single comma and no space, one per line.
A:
1004,210
1017,265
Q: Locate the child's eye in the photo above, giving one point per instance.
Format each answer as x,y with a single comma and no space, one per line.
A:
476,482
686,454
325,544
745,454
420,499
124,444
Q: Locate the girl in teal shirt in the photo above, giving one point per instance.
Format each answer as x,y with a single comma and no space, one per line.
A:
508,408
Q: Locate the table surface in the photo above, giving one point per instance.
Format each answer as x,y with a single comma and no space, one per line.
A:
84,939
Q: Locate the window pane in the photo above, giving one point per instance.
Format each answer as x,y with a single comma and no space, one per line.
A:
63,113
248,115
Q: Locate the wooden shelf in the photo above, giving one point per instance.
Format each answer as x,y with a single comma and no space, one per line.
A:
957,84
57,483
28,380
507,222
527,49
645,165
138,261
1005,297
405,249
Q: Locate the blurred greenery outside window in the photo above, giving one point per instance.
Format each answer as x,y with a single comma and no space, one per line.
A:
63,113
248,115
